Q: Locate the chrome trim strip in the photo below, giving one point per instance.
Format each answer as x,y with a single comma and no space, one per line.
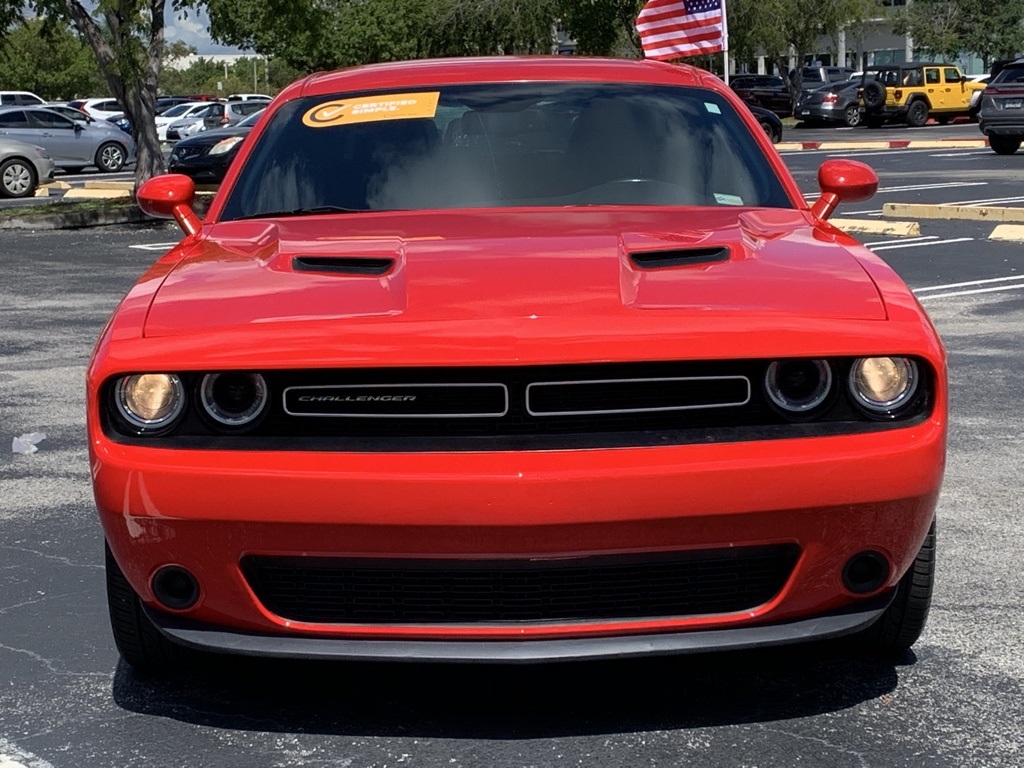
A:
504,389
532,412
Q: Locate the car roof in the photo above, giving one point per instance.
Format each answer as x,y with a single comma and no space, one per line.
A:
499,69
909,65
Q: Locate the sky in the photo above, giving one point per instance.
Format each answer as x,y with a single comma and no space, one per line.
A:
193,30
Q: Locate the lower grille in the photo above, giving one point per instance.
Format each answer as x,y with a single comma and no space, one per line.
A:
369,591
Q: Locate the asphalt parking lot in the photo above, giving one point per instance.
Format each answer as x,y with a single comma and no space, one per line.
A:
957,700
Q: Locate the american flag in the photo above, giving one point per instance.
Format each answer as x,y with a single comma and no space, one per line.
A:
670,29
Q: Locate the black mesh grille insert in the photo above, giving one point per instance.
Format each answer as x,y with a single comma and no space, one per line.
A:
368,591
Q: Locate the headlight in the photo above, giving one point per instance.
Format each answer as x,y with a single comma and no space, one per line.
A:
42,152
150,402
798,386
225,145
883,385
234,399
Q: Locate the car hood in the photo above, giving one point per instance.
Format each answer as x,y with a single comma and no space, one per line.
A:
495,266
209,138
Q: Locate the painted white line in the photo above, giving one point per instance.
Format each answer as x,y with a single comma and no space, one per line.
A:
870,152
1015,287
151,247
916,188
969,283
13,757
902,240
964,153
989,202
872,212
930,242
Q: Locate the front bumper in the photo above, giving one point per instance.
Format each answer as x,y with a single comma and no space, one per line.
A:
833,497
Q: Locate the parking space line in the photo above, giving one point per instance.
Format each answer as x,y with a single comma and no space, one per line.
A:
153,246
970,283
13,757
997,289
916,245
902,240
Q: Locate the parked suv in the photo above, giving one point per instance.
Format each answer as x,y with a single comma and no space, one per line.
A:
911,92
1002,109
764,91
230,113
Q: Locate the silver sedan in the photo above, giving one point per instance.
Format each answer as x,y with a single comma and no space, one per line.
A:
22,167
72,145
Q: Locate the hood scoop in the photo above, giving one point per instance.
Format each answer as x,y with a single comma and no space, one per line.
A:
343,265
678,257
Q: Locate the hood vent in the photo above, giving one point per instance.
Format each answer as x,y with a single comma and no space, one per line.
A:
678,258
343,265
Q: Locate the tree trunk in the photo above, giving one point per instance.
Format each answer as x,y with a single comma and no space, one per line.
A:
130,71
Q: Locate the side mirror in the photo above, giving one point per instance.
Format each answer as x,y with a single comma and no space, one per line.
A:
843,181
77,126
170,197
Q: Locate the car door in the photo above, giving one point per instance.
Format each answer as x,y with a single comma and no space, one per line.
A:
213,118
59,135
954,89
933,86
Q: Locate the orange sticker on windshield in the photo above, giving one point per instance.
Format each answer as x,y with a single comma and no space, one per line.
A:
368,109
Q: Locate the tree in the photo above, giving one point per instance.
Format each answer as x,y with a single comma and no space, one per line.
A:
950,27
781,28
602,27
49,60
127,39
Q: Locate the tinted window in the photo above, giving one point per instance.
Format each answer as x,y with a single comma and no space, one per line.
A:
175,111
42,119
248,107
931,76
15,119
510,145
251,119
951,75
1010,75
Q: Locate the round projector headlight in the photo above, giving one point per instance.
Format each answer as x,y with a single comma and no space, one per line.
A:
883,385
798,386
234,399
150,402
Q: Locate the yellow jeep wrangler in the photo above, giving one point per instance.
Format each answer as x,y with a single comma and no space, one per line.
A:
914,91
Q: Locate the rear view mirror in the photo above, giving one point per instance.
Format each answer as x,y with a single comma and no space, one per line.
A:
843,181
170,196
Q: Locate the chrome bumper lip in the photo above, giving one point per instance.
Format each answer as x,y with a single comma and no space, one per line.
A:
207,638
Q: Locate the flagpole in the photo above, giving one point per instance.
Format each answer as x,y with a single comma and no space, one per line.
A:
725,42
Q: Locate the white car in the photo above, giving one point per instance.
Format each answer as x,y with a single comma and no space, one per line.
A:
101,109
975,105
185,127
179,112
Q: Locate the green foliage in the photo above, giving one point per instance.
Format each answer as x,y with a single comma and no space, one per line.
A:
602,27
49,59
946,27
247,75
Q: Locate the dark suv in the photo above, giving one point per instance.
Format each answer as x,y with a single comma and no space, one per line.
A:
1002,109
764,91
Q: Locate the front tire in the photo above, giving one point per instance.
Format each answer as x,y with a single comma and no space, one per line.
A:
17,178
139,642
899,627
110,157
917,115
1004,145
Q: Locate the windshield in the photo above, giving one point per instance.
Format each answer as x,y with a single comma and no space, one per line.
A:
504,145
178,109
251,120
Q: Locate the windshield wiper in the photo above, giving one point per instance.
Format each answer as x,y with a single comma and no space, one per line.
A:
302,212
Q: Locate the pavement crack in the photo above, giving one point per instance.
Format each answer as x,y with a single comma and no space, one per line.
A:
49,664
58,558
861,756
43,599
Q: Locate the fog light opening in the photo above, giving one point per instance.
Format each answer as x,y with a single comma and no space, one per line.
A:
865,572
175,588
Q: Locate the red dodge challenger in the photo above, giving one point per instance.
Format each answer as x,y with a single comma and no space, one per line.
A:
514,360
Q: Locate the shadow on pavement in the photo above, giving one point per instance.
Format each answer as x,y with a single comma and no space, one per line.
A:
509,702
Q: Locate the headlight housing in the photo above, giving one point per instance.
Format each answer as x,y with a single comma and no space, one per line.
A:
235,400
150,402
883,386
225,145
798,387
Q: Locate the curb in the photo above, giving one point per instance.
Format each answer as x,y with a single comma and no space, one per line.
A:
1008,233
129,214
957,212
799,146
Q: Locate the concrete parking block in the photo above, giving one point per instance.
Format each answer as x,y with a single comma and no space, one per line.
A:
84,194
876,227
1013,233
110,185
961,212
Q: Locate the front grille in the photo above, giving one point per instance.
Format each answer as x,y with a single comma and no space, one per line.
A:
184,153
600,588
